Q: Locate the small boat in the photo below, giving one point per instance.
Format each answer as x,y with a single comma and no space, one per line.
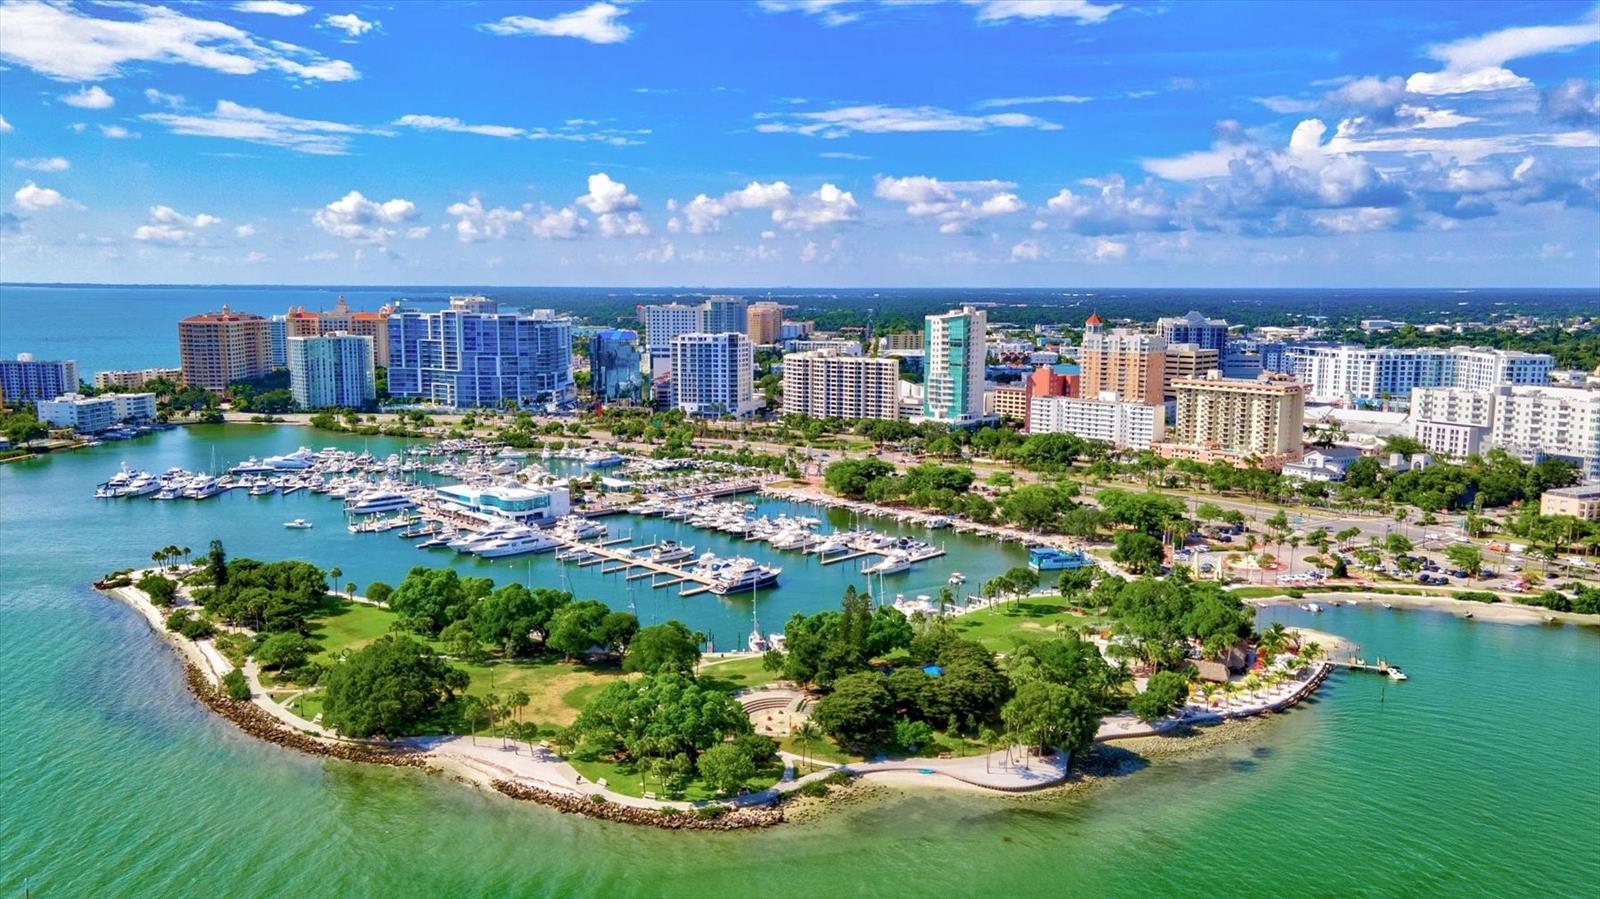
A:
957,577
299,524
1469,616
1395,673
1311,607
1388,605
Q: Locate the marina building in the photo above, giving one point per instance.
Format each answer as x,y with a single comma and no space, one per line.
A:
1236,421
93,414
1122,361
955,345
218,348
765,323
27,380
524,505
713,374
615,365
131,378
472,355
332,370
1206,333
824,384
1123,425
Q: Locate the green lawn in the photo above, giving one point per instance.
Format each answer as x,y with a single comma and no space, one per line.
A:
1033,619
347,625
735,674
623,777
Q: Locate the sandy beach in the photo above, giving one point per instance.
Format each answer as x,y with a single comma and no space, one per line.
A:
1499,612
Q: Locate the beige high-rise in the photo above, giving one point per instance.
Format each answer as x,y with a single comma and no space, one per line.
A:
300,323
218,348
827,384
1237,420
1126,362
1187,360
764,323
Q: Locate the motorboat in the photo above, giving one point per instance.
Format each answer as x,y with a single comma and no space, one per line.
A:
671,551
299,524
523,540
892,563
956,578
575,554
378,501
466,541
420,529
599,459
262,487
441,540
298,460
1395,673
743,576
202,487
142,484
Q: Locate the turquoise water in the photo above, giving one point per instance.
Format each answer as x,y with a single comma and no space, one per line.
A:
1479,776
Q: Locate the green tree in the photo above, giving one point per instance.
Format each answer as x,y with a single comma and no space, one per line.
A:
858,710
218,564
161,590
1137,551
284,651
1052,715
725,768
575,628
388,687
236,685
379,592
1466,557
1164,692
663,647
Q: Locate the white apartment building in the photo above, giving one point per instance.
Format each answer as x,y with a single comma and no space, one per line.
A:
713,374
661,324
1123,425
955,344
1531,423
331,370
837,385
93,414
1335,373
842,347
135,377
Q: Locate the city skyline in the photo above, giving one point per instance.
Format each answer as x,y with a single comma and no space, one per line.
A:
828,144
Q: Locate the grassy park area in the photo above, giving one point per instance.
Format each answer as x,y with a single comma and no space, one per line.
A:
1035,618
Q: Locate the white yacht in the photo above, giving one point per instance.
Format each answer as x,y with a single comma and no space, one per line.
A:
202,487
671,551
522,540
300,459
575,554
469,540
893,563
378,501
299,524
743,576
957,578
142,484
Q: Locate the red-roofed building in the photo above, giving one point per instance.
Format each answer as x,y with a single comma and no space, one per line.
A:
218,348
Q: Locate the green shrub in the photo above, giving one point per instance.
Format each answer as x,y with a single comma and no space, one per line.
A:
162,591
597,798
236,685
186,623
815,789
839,778
710,812
1475,596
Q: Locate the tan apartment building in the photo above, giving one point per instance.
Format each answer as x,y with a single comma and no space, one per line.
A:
340,319
826,384
1237,421
218,348
764,323
1128,363
1579,502
1007,402
904,340
132,378
1187,360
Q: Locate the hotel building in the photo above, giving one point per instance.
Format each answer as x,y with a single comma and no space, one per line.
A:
332,370
662,323
1121,361
218,348
1237,421
473,355
340,319
955,344
835,385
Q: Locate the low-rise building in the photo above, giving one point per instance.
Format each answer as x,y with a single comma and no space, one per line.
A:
1579,502
1007,402
1123,425
1326,465
525,505
831,345
93,414
131,378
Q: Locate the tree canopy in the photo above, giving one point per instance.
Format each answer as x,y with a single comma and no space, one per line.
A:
388,688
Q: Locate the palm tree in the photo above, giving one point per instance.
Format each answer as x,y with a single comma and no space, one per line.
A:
516,701
1274,640
185,552
158,557
807,732
333,575
472,707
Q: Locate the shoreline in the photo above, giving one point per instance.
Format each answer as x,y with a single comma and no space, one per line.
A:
1496,612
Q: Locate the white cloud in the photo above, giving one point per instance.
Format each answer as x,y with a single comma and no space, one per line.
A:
1110,250
1286,105
559,224
616,224
47,164
254,256
879,119
1080,10
244,231
169,227
320,256
834,154
1026,251
357,219
1110,206
1002,102
832,12
606,195
350,23
5,126
160,98
237,122
828,205
33,198
418,232
272,7
596,23
702,215
116,132
954,204
93,97
450,123
475,224
1477,64
61,42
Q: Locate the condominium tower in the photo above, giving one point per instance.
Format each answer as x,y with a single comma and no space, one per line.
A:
955,344
614,366
713,374
835,385
331,370
218,348
27,380
1218,418
1121,361
1207,333
765,323
470,354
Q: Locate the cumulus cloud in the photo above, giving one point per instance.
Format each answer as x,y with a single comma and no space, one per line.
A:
66,43
272,7
243,231
350,23
1573,102
606,195
828,205
956,205
1110,250
31,197
475,224
1026,251
355,218
169,227
1477,64
234,121
92,97
880,119
1109,206
596,23
1081,11
116,132
46,164
160,98
5,126
559,224
832,13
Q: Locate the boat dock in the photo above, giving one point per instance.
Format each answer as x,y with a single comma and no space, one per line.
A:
1382,666
613,559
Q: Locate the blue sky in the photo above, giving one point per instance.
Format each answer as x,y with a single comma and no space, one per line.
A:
997,142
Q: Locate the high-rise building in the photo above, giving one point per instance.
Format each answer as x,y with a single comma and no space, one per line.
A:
1241,360
1187,360
903,340
1123,425
218,348
135,377
955,343
278,340
1046,381
720,315
1367,374
796,330
615,371
1531,423
1237,421
836,385
27,380
332,370
831,345
1206,333
765,322
713,374
470,355
1121,361
662,322
340,319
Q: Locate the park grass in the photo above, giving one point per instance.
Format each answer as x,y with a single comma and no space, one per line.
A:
556,690
1036,618
342,624
623,777
736,674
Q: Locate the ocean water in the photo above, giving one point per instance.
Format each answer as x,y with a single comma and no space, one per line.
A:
118,326
1480,776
